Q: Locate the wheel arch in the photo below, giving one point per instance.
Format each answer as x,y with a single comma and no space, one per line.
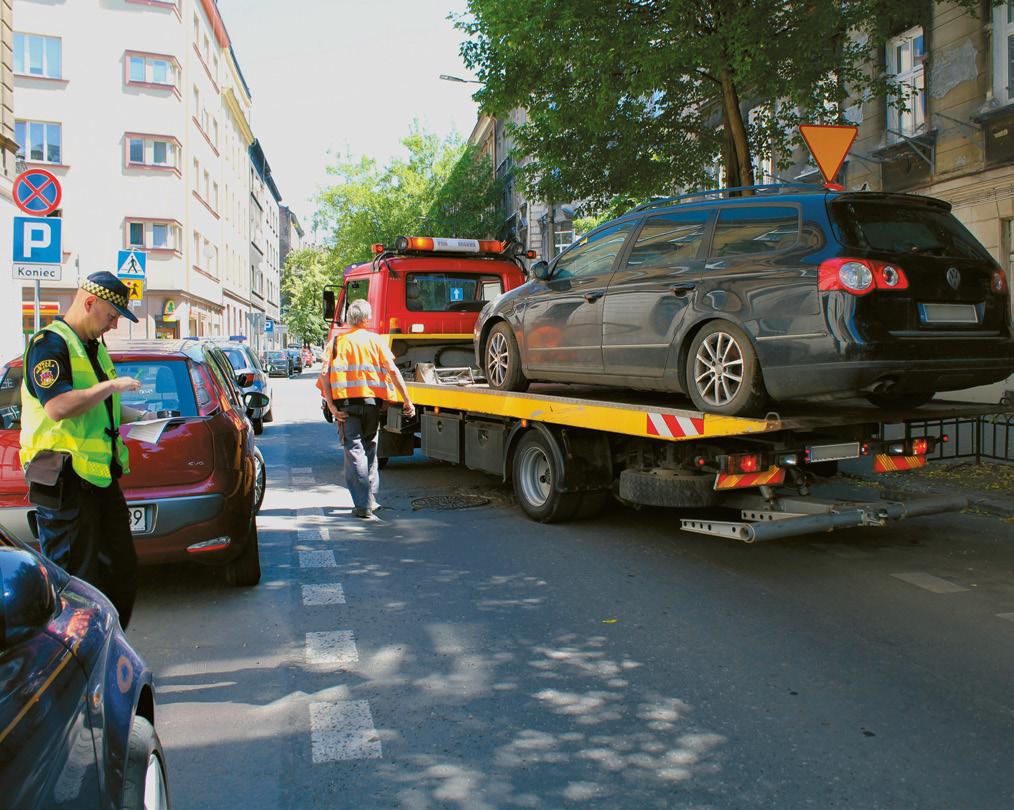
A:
487,327
683,350
583,457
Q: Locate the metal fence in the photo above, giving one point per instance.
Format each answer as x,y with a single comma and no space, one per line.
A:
980,438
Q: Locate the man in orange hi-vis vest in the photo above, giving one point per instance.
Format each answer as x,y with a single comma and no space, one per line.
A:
358,374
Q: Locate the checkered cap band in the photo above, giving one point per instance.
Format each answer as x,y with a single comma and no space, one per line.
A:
102,292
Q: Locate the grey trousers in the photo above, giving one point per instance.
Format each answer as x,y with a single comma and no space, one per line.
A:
358,434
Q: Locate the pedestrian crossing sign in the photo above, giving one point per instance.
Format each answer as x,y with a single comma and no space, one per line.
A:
131,263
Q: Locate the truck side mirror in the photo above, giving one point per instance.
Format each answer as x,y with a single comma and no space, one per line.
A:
328,305
541,270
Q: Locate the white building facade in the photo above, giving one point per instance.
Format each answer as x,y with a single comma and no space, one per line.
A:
141,111
11,337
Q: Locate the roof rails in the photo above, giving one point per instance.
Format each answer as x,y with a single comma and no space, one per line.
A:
720,193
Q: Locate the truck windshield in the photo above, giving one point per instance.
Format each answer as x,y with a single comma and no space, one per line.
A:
450,292
898,228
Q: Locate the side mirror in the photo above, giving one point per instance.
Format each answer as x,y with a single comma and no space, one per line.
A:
255,399
328,305
541,270
29,596
245,380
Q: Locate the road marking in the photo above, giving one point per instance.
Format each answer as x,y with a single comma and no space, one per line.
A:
845,552
317,559
301,470
929,582
329,594
309,535
332,648
1006,616
310,511
343,730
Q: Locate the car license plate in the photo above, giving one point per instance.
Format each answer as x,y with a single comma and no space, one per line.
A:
949,313
140,519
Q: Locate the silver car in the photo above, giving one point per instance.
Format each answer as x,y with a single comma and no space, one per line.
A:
244,361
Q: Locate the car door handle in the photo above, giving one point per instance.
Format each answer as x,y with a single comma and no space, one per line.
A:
592,297
682,288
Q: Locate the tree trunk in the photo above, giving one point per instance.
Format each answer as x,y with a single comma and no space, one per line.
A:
738,163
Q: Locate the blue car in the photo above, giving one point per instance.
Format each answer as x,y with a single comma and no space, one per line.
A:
77,704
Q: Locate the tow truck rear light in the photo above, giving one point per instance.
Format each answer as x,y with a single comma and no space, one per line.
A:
393,326
998,283
403,244
919,447
860,276
743,463
913,447
377,248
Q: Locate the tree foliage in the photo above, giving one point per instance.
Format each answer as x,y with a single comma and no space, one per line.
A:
643,97
440,188
304,277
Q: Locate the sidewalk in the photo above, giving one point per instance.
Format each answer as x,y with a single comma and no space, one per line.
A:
988,486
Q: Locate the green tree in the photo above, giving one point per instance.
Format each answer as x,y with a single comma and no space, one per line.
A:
440,188
642,97
304,276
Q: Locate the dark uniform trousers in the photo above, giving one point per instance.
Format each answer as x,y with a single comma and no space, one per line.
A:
89,537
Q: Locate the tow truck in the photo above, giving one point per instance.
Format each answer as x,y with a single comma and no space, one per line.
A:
569,450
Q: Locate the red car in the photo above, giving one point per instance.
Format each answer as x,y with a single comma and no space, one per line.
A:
193,495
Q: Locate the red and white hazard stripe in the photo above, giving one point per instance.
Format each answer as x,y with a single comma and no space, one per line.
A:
670,426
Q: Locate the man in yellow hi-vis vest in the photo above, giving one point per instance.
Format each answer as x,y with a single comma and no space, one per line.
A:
359,373
71,445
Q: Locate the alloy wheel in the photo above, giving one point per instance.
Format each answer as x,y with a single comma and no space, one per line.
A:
497,356
156,797
718,368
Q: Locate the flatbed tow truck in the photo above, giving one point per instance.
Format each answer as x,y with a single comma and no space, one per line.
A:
568,450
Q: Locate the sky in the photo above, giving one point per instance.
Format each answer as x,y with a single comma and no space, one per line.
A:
330,76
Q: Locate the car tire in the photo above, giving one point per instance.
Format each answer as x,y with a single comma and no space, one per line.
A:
258,426
534,475
382,462
502,360
893,402
260,480
716,353
145,784
245,570
269,416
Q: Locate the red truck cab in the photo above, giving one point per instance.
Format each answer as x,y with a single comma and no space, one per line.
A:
426,294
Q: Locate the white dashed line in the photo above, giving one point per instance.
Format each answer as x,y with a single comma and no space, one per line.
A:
332,648
1006,616
310,535
343,730
301,470
317,559
310,511
330,594
929,582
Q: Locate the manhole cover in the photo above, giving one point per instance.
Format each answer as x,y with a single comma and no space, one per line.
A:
449,502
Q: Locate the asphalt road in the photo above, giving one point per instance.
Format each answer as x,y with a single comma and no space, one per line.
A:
474,659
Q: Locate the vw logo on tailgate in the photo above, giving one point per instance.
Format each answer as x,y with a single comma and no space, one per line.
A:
954,277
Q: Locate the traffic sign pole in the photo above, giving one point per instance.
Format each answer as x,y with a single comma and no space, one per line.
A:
38,305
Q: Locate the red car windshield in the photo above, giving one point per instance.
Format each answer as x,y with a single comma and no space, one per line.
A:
165,386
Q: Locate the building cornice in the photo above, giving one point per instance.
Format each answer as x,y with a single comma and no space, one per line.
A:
237,113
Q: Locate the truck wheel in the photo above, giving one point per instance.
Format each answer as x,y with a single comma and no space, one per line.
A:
245,570
535,474
900,401
503,361
723,374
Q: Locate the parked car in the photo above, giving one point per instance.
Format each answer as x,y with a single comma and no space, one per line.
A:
194,495
794,292
77,703
296,360
318,354
307,356
277,364
244,362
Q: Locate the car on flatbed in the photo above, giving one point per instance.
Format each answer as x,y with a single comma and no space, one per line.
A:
192,496
793,292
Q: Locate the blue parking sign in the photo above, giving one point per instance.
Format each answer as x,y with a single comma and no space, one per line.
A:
37,240
269,326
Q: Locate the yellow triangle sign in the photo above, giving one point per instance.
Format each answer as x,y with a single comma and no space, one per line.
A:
829,145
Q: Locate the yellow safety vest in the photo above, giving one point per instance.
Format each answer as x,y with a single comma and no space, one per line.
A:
84,437
357,367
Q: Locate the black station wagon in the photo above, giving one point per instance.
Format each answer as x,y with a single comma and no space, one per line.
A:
793,292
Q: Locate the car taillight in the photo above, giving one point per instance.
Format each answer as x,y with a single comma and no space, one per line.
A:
860,276
998,283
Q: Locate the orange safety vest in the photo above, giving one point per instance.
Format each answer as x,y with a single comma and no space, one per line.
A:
357,367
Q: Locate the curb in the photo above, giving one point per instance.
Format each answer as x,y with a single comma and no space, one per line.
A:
1000,507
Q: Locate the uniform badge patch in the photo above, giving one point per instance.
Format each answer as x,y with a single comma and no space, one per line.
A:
46,373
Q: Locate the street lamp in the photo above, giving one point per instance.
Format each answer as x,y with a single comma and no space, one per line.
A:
447,78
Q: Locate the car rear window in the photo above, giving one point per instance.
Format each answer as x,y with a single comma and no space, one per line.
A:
165,386
896,228
450,292
238,358
755,229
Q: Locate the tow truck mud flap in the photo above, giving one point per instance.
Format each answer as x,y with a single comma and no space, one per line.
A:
765,524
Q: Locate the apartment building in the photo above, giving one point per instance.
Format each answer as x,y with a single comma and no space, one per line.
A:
290,235
141,110
11,338
264,247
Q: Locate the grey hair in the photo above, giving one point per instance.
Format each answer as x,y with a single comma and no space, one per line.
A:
359,312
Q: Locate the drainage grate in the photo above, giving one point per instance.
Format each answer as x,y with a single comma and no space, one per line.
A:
449,502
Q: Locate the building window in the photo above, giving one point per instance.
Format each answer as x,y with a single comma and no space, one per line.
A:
151,70
39,141
159,235
136,234
153,235
36,55
136,150
153,151
1003,52
906,55
562,238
